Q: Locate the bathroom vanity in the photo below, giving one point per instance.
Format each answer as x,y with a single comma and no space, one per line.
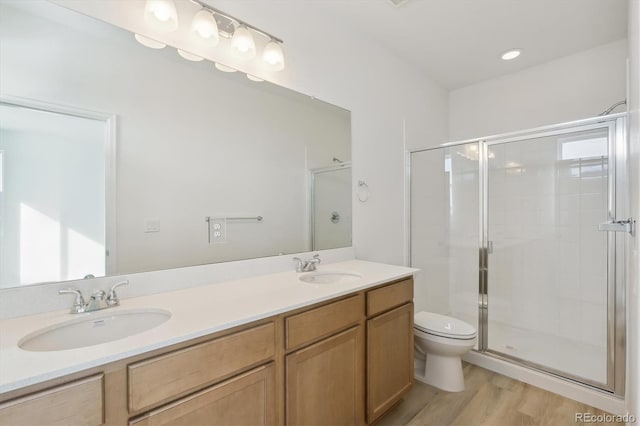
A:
291,352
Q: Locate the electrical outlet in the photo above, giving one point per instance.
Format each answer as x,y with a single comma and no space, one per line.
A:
218,230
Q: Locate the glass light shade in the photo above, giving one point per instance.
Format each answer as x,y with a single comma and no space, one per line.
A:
161,15
242,43
273,56
254,78
149,42
224,68
189,56
205,28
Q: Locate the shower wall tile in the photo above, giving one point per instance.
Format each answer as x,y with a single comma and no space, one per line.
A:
568,202
591,185
570,318
593,324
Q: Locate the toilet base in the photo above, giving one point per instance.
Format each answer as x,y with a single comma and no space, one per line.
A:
442,372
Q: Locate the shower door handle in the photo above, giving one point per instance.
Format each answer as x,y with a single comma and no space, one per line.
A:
618,226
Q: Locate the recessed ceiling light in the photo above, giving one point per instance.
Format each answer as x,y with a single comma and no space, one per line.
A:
511,54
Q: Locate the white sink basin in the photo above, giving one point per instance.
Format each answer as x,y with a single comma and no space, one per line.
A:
329,277
93,328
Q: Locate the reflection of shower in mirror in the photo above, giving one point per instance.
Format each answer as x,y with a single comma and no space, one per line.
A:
330,219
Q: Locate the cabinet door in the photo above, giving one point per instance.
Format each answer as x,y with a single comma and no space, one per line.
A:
389,359
248,399
325,381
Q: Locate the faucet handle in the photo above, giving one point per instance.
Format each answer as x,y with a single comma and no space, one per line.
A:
299,264
317,257
79,303
112,298
98,295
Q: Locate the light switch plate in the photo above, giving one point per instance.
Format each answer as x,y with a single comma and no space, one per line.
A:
151,224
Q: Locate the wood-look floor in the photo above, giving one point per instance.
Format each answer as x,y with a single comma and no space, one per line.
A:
490,399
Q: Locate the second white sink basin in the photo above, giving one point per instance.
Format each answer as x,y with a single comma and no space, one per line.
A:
329,277
94,328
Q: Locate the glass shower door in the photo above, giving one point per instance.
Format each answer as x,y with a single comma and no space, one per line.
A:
550,282
445,236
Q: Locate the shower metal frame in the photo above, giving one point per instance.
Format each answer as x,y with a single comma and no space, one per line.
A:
617,204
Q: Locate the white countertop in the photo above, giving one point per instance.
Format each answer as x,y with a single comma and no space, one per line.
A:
195,312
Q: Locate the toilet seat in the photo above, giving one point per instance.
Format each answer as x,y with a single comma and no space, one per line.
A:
443,326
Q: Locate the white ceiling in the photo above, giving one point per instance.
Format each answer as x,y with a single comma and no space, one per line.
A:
458,42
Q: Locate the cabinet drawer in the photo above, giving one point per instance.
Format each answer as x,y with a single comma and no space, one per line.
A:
323,321
75,403
248,399
385,298
169,376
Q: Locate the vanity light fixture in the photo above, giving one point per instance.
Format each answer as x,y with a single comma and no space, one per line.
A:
241,33
224,68
205,28
242,43
161,15
273,56
511,54
254,78
189,56
149,42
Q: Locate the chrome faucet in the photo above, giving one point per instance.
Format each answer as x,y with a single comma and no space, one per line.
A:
307,265
99,299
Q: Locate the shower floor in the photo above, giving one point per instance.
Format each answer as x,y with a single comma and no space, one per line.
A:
565,355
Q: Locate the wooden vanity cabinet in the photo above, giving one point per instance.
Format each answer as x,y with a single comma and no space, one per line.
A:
324,382
344,361
389,346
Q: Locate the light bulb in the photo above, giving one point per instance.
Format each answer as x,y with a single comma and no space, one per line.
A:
242,43
189,56
511,54
273,56
205,28
149,42
224,68
161,15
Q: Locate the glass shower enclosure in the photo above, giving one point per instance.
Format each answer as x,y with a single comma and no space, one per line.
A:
517,234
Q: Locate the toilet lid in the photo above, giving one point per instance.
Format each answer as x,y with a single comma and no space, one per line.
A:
442,325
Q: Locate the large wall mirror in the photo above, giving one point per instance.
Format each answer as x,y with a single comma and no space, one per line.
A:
116,158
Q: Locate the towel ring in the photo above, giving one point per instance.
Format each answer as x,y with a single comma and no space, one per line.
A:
363,191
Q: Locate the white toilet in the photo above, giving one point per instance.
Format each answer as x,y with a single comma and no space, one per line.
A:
442,340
